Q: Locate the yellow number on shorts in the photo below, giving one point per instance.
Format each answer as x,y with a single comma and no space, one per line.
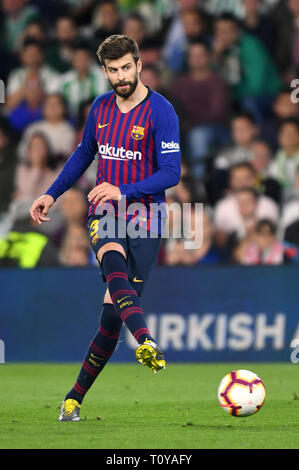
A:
94,227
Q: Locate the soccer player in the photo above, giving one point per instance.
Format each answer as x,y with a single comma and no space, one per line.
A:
135,132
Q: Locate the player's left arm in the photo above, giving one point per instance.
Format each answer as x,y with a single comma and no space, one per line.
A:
168,153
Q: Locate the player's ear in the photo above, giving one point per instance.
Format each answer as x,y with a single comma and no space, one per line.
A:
139,65
104,70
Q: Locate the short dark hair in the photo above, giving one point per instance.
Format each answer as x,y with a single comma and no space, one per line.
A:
135,16
244,115
245,164
29,41
199,41
266,223
228,17
116,46
65,16
292,121
80,44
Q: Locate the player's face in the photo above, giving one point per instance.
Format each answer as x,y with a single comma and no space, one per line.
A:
123,75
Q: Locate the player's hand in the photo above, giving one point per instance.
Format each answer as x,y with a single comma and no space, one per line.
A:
103,192
40,209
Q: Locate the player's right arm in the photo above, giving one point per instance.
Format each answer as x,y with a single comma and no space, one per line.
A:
76,165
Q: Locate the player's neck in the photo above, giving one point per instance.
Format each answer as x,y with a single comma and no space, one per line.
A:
126,104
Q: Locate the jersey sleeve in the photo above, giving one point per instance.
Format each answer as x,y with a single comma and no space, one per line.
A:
168,154
80,159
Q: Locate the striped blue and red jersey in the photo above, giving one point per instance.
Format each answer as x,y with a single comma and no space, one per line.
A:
138,151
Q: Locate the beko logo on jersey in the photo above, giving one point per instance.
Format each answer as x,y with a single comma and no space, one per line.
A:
170,146
118,153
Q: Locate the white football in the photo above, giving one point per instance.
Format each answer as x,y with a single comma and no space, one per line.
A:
241,393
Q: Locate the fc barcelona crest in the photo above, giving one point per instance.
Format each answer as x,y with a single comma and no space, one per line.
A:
137,132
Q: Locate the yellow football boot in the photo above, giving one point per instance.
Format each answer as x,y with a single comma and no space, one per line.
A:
70,410
149,354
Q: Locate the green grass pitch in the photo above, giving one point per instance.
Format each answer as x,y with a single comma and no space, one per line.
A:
130,408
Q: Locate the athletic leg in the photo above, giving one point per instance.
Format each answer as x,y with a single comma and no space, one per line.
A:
124,297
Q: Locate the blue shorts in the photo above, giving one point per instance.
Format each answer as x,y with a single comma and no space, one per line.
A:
141,251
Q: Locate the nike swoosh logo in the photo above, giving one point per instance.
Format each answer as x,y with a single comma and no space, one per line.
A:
137,280
103,125
120,300
96,357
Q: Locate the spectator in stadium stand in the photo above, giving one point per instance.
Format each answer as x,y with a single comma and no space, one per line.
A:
238,213
85,80
188,190
26,247
150,76
287,50
81,10
29,110
134,27
265,247
73,206
59,52
283,108
206,252
290,214
202,89
283,168
245,64
34,174
75,247
244,131
17,14
106,21
60,133
82,118
253,174
35,29
33,68
260,25
8,162
150,54
86,182
243,175
189,24
261,161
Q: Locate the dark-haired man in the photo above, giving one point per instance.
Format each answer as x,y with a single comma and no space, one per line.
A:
135,131
84,81
244,62
32,69
204,90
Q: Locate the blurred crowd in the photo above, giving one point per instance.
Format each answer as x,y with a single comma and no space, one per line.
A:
227,66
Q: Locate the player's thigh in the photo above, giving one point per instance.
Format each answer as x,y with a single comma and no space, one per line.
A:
101,240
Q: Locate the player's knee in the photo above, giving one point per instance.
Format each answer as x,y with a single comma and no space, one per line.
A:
110,246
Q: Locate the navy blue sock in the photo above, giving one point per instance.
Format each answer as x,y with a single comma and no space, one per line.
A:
125,299
100,349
